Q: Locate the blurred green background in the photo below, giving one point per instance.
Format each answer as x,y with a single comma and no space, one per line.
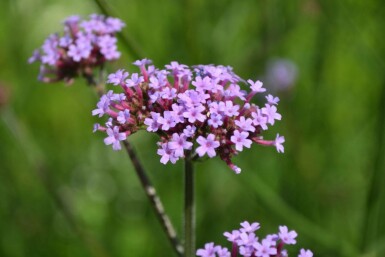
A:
329,185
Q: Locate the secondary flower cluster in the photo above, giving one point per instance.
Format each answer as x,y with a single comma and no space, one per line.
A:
202,110
84,45
246,243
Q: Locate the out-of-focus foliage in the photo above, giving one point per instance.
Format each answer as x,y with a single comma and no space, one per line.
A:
329,184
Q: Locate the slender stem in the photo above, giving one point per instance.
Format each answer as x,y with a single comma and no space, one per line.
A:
154,199
189,208
146,182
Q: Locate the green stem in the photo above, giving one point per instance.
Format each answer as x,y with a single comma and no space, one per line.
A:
189,208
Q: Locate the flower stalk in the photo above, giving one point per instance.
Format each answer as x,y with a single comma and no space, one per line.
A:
189,207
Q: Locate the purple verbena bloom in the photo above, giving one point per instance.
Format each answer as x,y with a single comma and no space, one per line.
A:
135,80
305,253
195,113
201,108
272,100
215,120
179,143
123,116
247,239
142,62
279,140
246,243
256,86
245,124
249,228
240,140
167,154
114,24
189,131
223,252
153,123
259,119
114,138
207,145
103,106
118,77
167,121
271,113
233,236
265,249
286,236
246,250
209,250
81,48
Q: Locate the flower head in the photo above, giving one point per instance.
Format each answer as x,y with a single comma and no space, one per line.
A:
246,243
83,46
202,109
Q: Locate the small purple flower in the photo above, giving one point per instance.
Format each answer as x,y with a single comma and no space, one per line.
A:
189,131
223,252
118,77
249,228
264,249
80,50
153,123
259,119
179,143
240,140
209,250
207,145
114,138
305,253
279,140
167,121
167,154
271,113
96,127
103,106
215,120
247,239
142,62
195,113
230,109
134,80
245,124
114,25
286,236
272,100
123,116
256,86
233,236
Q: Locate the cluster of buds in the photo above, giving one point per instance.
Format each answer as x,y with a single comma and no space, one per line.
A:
246,243
84,45
200,110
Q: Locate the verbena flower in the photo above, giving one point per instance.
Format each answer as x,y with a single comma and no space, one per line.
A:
83,46
246,243
201,109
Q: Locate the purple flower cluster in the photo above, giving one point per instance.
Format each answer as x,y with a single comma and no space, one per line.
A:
246,243
201,109
84,45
